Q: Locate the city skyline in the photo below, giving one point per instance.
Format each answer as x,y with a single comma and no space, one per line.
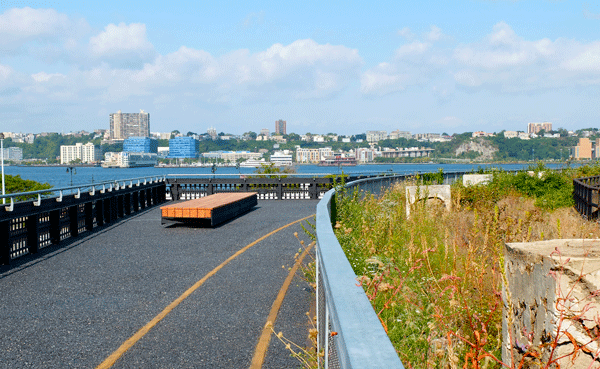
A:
338,67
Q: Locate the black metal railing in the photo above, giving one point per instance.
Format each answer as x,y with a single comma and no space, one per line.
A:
586,194
267,187
53,216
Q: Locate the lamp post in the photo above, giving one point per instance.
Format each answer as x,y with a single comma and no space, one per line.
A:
71,169
2,150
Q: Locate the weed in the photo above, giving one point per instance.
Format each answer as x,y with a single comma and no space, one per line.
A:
435,278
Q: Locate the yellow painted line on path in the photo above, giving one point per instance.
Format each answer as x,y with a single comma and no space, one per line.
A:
112,359
265,338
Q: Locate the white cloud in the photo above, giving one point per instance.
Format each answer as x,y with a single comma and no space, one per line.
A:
122,43
253,19
18,24
45,77
406,33
587,60
506,61
381,80
301,70
434,34
44,34
413,63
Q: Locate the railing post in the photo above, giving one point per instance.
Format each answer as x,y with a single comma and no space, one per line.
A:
55,226
142,197
175,192
99,205
127,204
89,216
209,189
136,201
120,206
279,190
313,190
33,239
107,210
73,221
5,242
154,195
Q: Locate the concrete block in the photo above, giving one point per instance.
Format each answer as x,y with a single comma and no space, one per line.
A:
476,179
417,193
550,301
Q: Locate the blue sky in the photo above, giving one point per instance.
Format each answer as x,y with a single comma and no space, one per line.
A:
344,67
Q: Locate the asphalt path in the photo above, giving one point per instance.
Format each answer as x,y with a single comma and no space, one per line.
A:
75,305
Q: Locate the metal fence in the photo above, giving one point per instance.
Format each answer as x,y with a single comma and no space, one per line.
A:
267,187
350,333
31,221
586,195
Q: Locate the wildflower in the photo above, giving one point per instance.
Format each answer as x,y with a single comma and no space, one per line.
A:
363,279
384,286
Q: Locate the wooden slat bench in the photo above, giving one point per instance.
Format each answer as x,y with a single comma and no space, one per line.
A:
216,208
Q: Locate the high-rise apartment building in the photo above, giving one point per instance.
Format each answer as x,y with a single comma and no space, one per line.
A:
124,125
280,127
537,127
88,153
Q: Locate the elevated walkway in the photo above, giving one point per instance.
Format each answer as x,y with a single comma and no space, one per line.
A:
74,305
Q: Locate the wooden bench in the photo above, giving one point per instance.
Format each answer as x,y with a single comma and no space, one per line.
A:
215,209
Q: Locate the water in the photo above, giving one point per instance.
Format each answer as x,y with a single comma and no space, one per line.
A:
59,177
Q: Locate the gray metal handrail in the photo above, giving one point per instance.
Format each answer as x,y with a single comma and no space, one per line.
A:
82,188
350,333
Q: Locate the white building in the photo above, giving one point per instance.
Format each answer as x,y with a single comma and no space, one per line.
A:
312,156
523,135
234,156
13,153
163,151
88,153
212,132
376,136
511,134
281,158
318,138
365,155
129,159
394,135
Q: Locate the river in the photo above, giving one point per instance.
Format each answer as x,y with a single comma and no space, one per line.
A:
60,177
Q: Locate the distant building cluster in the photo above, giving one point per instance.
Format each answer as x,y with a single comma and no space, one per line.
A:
140,146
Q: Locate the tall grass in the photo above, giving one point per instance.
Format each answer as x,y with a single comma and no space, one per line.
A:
435,278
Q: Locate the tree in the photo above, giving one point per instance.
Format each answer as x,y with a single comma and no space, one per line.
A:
293,137
251,135
16,184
